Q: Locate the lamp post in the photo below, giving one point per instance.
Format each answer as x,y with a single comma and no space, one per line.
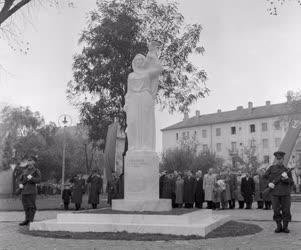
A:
64,120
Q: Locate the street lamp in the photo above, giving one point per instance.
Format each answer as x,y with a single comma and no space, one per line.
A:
64,120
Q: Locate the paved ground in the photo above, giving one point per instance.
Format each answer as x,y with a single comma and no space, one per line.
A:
10,238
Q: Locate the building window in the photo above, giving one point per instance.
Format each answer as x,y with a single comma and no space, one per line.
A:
204,133
277,125
233,130
277,142
265,143
177,136
266,159
233,147
218,132
253,143
205,148
264,127
252,128
218,147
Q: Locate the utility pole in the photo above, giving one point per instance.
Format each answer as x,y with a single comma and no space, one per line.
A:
64,120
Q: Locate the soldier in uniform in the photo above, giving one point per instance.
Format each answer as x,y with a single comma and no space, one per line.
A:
280,181
28,186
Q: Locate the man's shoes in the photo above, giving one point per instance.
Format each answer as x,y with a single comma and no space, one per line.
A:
24,223
279,227
285,229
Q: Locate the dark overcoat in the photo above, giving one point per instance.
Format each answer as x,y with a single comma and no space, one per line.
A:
95,182
78,189
199,191
167,188
247,188
189,190
233,186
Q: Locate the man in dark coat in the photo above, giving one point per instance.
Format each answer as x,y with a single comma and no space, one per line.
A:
280,182
95,182
66,195
28,186
199,192
161,183
168,186
189,190
233,188
248,190
78,189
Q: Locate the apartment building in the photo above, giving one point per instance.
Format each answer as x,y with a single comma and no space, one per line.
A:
229,133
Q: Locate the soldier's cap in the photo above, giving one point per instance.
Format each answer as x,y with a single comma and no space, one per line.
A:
279,154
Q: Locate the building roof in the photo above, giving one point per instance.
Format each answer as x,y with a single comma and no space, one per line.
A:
240,114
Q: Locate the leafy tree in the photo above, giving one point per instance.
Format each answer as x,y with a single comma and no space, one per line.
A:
116,32
274,5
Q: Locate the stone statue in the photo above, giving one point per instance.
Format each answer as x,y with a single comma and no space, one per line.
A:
140,100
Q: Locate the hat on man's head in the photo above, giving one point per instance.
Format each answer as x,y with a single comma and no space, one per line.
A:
279,154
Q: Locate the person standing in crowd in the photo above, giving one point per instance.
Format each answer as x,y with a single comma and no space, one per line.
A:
78,189
199,192
173,192
112,188
189,190
179,187
66,195
239,196
216,196
258,194
167,187
29,179
221,191
233,188
208,184
161,183
95,182
267,199
280,182
248,190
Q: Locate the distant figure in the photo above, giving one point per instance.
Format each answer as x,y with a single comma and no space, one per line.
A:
66,196
233,188
239,196
78,189
189,190
199,192
248,190
208,185
179,190
95,188
29,179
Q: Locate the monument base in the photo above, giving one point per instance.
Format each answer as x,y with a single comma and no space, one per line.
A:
200,222
142,205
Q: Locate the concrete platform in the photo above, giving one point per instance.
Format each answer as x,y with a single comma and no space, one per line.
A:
199,222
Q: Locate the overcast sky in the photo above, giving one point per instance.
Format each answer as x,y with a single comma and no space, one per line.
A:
250,56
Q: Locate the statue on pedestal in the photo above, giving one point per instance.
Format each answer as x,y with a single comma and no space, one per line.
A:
140,100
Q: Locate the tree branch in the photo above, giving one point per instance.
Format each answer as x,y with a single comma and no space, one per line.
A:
7,11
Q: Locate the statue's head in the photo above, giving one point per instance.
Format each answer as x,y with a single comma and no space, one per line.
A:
138,62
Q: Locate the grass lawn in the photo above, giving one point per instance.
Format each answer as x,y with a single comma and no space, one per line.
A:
229,229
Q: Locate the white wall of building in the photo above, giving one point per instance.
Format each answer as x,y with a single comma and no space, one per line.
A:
242,137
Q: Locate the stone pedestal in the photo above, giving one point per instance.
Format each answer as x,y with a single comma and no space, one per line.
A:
141,184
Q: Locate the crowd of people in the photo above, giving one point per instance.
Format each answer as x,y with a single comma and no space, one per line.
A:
270,188
217,189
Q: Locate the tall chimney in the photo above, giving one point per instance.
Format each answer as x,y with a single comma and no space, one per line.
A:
219,111
197,113
186,116
268,103
250,105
